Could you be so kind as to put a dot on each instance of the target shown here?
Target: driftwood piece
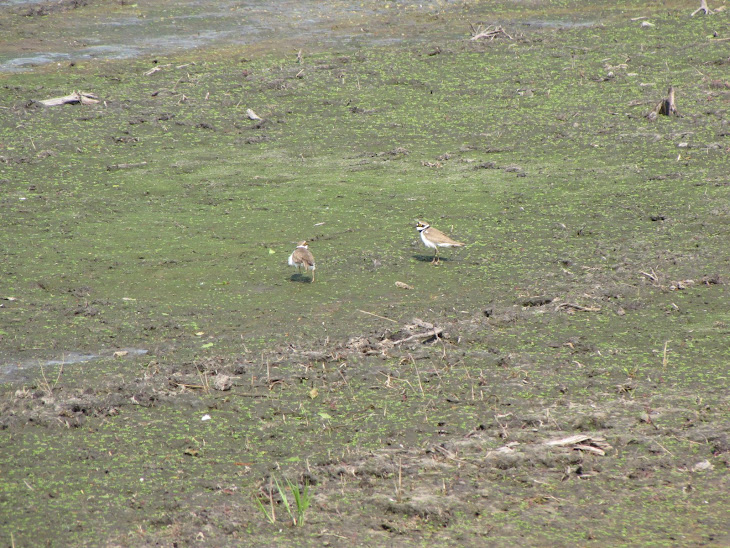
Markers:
(703, 9)
(73, 99)
(582, 442)
(666, 107)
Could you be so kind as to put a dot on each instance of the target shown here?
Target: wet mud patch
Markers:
(41, 9)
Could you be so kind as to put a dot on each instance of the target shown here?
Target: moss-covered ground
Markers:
(591, 298)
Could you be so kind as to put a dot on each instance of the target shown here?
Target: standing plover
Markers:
(435, 238)
(302, 258)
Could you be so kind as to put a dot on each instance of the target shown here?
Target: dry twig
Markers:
(490, 32)
(574, 306)
(371, 314)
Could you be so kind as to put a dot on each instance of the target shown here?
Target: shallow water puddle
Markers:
(159, 28)
(18, 371)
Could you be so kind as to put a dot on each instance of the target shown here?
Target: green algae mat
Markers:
(167, 379)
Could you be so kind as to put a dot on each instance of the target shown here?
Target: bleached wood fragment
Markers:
(72, 99)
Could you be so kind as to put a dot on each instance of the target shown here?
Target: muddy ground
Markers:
(560, 381)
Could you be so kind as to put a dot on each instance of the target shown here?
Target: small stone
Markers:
(223, 382)
(702, 466)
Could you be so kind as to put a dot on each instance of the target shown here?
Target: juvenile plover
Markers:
(302, 258)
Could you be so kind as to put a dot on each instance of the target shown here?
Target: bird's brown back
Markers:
(303, 256)
(438, 237)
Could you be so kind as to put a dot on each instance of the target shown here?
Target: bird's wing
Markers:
(439, 238)
(303, 256)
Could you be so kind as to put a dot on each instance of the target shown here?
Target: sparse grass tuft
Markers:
(302, 502)
(45, 385)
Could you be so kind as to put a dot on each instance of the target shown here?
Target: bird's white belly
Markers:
(426, 242)
(291, 261)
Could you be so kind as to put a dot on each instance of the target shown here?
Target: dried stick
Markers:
(371, 314)
(480, 32)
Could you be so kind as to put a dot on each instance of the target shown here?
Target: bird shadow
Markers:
(300, 278)
(429, 258)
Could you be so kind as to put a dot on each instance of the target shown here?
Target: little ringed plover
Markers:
(435, 239)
